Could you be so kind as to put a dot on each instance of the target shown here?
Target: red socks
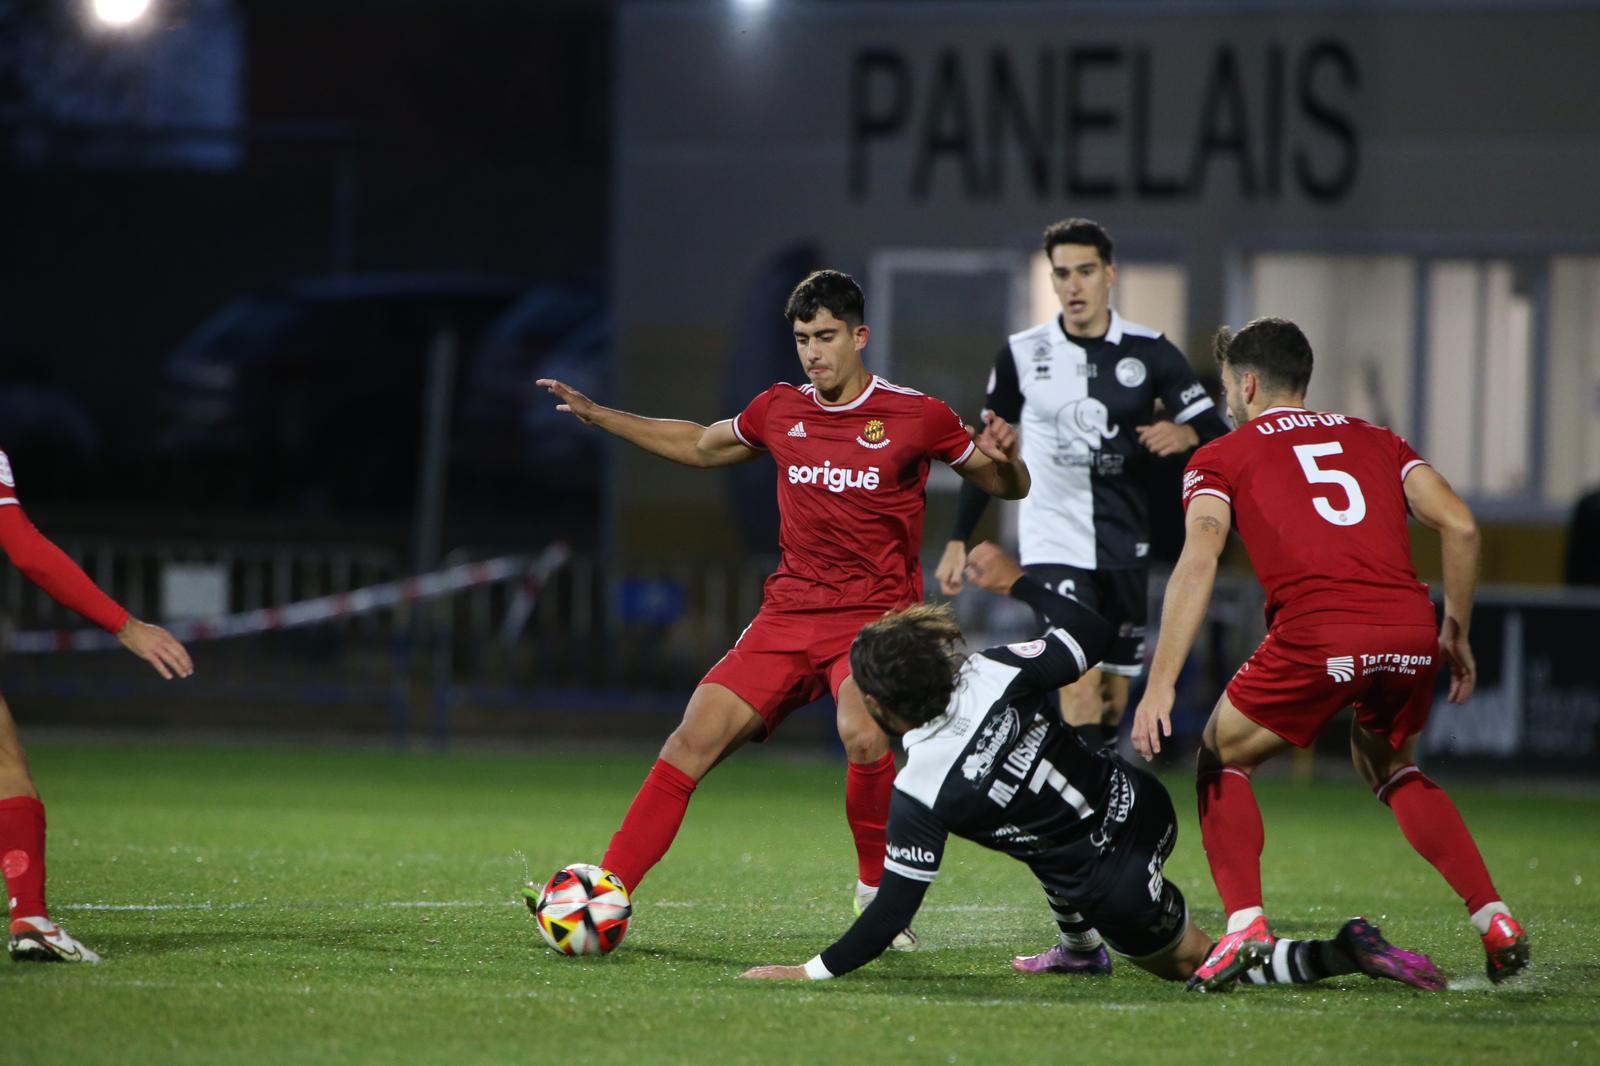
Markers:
(22, 854)
(868, 788)
(1434, 827)
(651, 824)
(1230, 829)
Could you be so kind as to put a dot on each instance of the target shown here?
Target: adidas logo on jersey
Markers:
(797, 430)
(1342, 668)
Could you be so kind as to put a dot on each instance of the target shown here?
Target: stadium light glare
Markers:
(751, 5)
(119, 14)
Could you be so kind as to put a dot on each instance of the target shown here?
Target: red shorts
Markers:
(785, 659)
(1302, 675)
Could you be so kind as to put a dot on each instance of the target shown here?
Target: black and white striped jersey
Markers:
(1077, 403)
(998, 768)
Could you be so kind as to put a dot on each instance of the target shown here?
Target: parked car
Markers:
(311, 399)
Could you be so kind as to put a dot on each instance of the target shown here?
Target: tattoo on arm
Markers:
(1209, 524)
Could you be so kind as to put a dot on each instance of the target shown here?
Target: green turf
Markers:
(362, 907)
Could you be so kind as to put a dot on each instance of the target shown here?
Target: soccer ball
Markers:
(584, 910)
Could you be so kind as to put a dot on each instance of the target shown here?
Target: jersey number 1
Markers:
(1308, 454)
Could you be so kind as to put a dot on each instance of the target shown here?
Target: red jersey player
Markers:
(1320, 500)
(853, 453)
(34, 937)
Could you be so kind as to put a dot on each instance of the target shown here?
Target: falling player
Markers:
(853, 452)
(34, 937)
(989, 759)
(1320, 500)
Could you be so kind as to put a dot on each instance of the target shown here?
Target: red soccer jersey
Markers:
(1318, 499)
(850, 490)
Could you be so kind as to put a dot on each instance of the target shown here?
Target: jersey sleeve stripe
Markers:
(1073, 646)
(964, 455)
(8, 499)
(1218, 493)
(1202, 404)
(925, 876)
(1412, 465)
(737, 432)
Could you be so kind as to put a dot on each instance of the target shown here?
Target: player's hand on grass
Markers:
(999, 441)
(777, 973)
(157, 647)
(990, 568)
(951, 563)
(572, 401)
(1458, 654)
(1167, 438)
(1152, 721)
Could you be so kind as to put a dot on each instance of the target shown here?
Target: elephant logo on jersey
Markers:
(1082, 428)
(872, 436)
(997, 733)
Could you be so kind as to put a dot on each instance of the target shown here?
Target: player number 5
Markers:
(1308, 455)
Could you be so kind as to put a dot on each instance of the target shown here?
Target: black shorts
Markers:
(1121, 597)
(1115, 878)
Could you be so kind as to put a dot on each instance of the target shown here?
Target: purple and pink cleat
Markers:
(1361, 940)
(1062, 959)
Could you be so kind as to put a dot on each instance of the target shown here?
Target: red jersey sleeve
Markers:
(750, 425)
(1408, 457)
(944, 435)
(47, 565)
(1207, 475)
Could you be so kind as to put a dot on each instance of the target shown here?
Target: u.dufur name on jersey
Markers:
(1300, 420)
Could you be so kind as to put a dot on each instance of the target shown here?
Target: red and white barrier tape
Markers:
(310, 612)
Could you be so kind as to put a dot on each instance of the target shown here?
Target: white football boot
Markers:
(905, 939)
(41, 940)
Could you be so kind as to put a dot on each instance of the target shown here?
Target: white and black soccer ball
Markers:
(582, 910)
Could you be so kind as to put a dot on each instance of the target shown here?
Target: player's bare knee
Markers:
(864, 745)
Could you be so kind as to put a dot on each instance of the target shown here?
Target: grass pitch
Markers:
(315, 906)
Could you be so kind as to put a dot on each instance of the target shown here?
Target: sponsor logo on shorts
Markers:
(1393, 663)
(1342, 668)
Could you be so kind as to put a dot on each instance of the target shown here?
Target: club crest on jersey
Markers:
(873, 435)
(1130, 372)
(1041, 352)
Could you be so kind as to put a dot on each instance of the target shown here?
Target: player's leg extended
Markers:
(34, 937)
(715, 724)
(869, 780)
(1079, 950)
(21, 825)
(1232, 746)
(1434, 827)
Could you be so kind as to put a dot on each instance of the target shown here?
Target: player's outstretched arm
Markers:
(65, 582)
(683, 442)
(157, 647)
(1436, 506)
(1077, 639)
(1183, 609)
(896, 905)
(996, 465)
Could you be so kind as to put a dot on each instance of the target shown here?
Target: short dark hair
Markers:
(1078, 231)
(908, 661)
(830, 289)
(1275, 349)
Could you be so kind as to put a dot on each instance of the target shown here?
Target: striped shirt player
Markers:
(988, 759)
(34, 937)
(1000, 768)
(1085, 526)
